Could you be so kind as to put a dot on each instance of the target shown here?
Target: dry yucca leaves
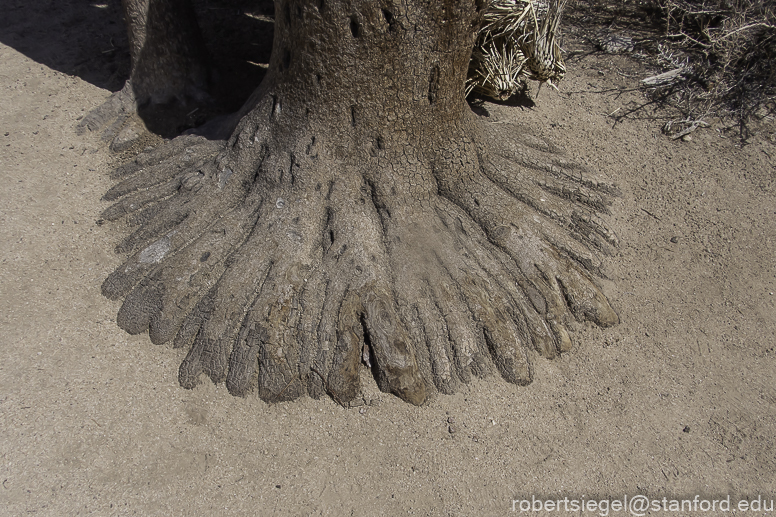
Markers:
(517, 42)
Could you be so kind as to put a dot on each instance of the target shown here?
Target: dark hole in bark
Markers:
(476, 202)
(292, 176)
(275, 107)
(355, 27)
(380, 143)
(353, 115)
(388, 15)
(204, 256)
(287, 13)
(433, 84)
(321, 5)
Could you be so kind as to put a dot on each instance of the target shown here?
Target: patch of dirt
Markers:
(678, 399)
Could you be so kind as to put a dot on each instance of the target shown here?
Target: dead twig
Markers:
(689, 126)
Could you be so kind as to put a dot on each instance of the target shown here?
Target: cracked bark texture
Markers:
(361, 214)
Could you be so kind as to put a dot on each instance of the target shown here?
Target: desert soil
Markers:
(678, 399)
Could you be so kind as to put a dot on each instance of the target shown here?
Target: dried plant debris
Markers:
(719, 58)
(518, 41)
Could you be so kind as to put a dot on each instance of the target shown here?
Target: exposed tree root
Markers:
(285, 267)
(111, 120)
(127, 124)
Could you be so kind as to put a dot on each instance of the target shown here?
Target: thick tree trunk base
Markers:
(285, 262)
(360, 215)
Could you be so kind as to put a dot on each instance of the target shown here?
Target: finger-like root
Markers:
(286, 271)
(118, 122)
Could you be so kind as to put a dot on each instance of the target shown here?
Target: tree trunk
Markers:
(169, 75)
(168, 55)
(360, 213)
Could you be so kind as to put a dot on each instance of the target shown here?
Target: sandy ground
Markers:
(678, 400)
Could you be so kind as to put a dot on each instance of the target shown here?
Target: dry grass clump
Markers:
(723, 53)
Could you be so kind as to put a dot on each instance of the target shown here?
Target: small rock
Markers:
(686, 138)
(450, 420)
(451, 430)
(686, 429)
(674, 239)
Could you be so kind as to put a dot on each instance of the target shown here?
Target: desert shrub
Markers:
(726, 51)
